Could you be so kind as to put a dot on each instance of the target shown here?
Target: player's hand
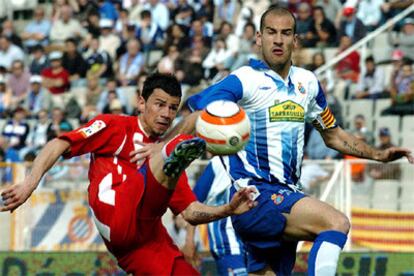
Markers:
(395, 153)
(144, 151)
(14, 196)
(242, 201)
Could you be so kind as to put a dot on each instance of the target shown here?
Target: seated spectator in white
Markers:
(19, 82)
(318, 59)
(369, 12)
(39, 61)
(38, 135)
(130, 64)
(92, 95)
(9, 31)
(160, 13)
(149, 33)
(56, 79)
(385, 171)
(107, 10)
(9, 52)
(37, 31)
(245, 16)
(371, 84)
(215, 60)
(245, 47)
(111, 92)
(402, 92)
(16, 129)
(108, 41)
(316, 148)
(38, 98)
(360, 128)
(73, 61)
(405, 38)
(5, 97)
(66, 27)
(58, 124)
(351, 25)
(322, 32)
(167, 63)
(99, 63)
(232, 41)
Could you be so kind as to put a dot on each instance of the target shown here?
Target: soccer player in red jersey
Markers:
(128, 199)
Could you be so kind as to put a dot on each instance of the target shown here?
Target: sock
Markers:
(324, 255)
(170, 145)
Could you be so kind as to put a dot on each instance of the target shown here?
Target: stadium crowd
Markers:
(74, 59)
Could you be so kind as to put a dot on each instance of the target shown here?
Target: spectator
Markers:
(385, 171)
(404, 39)
(39, 60)
(73, 61)
(245, 16)
(369, 12)
(56, 79)
(123, 21)
(183, 13)
(16, 130)
(332, 9)
(58, 125)
(66, 27)
(393, 7)
(351, 26)
(159, 12)
(167, 63)
(19, 82)
(116, 107)
(348, 68)
(371, 84)
(397, 62)
(99, 62)
(402, 93)
(316, 149)
(149, 33)
(358, 168)
(111, 92)
(312, 177)
(107, 10)
(322, 32)
(177, 35)
(92, 24)
(108, 41)
(206, 10)
(10, 32)
(37, 31)
(245, 46)
(215, 61)
(303, 23)
(318, 59)
(199, 29)
(188, 67)
(226, 10)
(5, 97)
(38, 98)
(6, 11)
(38, 136)
(232, 41)
(130, 64)
(92, 96)
(85, 8)
(9, 52)
(112, 102)
(360, 128)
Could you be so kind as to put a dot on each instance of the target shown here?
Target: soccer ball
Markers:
(224, 126)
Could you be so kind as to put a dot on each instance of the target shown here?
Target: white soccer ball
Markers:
(224, 126)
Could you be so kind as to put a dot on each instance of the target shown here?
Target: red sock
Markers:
(170, 145)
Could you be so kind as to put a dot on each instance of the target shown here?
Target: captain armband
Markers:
(325, 120)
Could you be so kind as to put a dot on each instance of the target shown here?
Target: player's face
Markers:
(277, 40)
(158, 112)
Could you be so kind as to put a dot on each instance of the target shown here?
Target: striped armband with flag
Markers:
(325, 120)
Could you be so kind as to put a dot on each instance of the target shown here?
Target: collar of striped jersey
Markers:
(258, 64)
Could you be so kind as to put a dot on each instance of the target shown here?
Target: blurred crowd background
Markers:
(62, 62)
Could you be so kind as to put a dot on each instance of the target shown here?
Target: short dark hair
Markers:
(166, 82)
(370, 59)
(276, 9)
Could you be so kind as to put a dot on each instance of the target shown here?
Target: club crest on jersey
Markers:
(301, 88)
(277, 198)
(95, 127)
(287, 111)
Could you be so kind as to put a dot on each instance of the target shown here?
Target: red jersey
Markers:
(129, 222)
(63, 74)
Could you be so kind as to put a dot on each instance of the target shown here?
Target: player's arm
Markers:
(198, 213)
(16, 195)
(346, 143)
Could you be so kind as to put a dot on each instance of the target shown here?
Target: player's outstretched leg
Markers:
(183, 154)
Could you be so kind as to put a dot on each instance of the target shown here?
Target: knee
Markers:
(340, 223)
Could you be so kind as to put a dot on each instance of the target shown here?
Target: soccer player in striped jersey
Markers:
(213, 188)
(279, 98)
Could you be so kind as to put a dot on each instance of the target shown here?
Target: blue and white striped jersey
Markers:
(213, 188)
(278, 110)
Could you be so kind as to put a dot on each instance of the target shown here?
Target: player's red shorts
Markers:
(136, 236)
